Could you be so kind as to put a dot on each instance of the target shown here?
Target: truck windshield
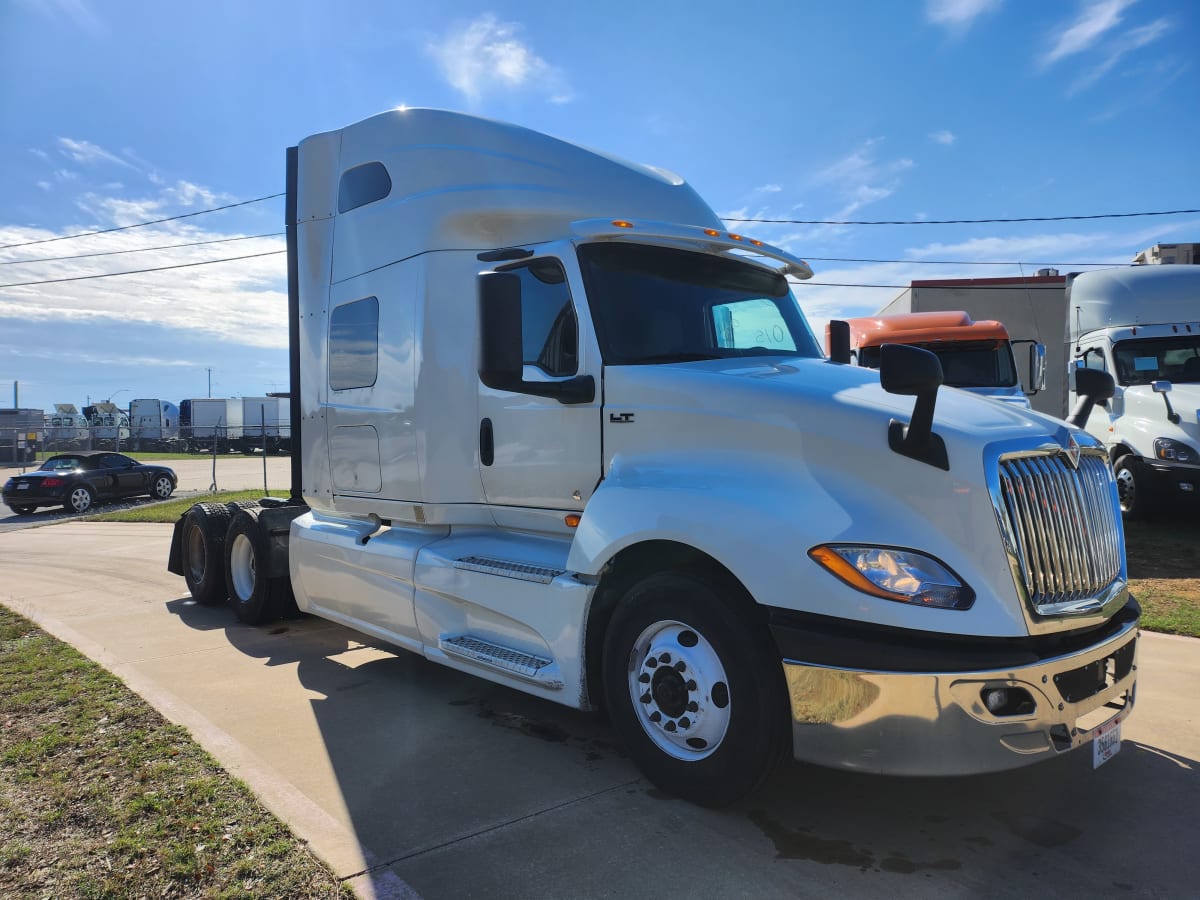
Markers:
(1174, 359)
(659, 304)
(975, 364)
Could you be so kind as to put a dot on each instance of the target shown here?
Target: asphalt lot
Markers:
(414, 780)
(232, 473)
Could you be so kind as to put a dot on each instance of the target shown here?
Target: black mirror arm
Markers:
(1172, 416)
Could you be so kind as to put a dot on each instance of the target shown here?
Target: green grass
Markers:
(171, 510)
(101, 797)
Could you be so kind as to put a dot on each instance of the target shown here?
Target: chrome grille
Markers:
(1064, 524)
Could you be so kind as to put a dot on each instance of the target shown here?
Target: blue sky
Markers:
(118, 112)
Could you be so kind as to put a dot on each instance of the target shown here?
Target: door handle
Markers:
(487, 443)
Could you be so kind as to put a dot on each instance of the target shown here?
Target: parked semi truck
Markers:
(559, 428)
(1141, 324)
(109, 424)
(212, 421)
(975, 356)
(1032, 310)
(153, 424)
(67, 428)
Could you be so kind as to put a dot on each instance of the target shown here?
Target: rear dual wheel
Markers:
(695, 689)
(256, 597)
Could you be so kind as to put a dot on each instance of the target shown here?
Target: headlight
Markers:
(1176, 451)
(894, 574)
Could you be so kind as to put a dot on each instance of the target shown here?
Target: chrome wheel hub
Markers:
(679, 690)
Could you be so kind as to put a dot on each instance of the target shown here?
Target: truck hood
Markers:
(803, 443)
(1144, 416)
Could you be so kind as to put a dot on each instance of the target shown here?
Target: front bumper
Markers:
(1174, 480)
(936, 723)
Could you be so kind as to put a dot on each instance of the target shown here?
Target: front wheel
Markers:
(695, 689)
(1133, 487)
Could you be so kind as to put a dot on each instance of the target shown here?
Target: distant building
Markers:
(1163, 254)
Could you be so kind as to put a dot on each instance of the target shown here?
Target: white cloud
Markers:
(768, 189)
(487, 56)
(242, 302)
(1127, 43)
(942, 137)
(1096, 18)
(958, 15)
(44, 185)
(40, 154)
(86, 152)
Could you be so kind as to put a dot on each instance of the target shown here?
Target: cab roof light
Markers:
(621, 223)
(712, 232)
(735, 237)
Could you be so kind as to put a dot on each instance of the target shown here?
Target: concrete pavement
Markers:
(411, 779)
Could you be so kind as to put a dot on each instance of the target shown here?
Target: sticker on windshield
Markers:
(1145, 363)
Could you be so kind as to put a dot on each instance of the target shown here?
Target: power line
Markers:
(206, 262)
(1169, 212)
(249, 237)
(199, 212)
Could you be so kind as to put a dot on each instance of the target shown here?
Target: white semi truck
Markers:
(67, 428)
(559, 428)
(153, 424)
(1141, 324)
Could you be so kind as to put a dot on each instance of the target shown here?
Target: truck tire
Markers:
(203, 552)
(1133, 487)
(695, 689)
(256, 598)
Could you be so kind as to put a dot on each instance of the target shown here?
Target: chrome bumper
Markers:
(904, 723)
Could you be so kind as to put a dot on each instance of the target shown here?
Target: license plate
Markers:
(1106, 743)
(23, 487)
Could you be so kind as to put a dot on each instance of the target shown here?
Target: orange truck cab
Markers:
(975, 356)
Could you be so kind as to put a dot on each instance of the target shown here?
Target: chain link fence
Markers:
(20, 444)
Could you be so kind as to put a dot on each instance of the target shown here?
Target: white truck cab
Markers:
(561, 429)
(1141, 324)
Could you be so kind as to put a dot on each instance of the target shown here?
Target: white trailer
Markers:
(212, 421)
(266, 424)
(561, 429)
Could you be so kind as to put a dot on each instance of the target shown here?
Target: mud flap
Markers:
(175, 557)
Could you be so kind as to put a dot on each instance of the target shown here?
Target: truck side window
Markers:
(354, 344)
(1093, 358)
(549, 333)
(362, 185)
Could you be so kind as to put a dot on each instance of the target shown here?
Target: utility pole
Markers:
(210, 382)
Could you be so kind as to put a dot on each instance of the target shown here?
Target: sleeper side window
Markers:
(354, 344)
(362, 185)
(549, 331)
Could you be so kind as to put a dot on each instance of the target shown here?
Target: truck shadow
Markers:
(430, 761)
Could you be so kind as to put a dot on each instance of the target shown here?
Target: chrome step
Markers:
(479, 650)
(508, 569)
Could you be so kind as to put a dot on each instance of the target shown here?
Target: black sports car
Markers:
(76, 481)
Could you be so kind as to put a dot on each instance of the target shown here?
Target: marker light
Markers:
(621, 223)
(755, 242)
(735, 237)
(905, 576)
(712, 232)
(572, 520)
